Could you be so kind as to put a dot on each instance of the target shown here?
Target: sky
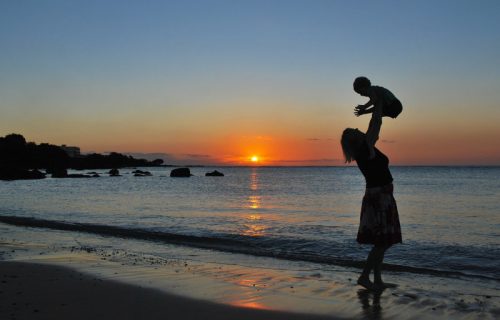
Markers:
(219, 82)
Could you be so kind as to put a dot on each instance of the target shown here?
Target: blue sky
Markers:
(105, 64)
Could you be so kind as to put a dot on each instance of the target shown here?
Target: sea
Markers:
(450, 216)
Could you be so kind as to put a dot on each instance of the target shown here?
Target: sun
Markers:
(254, 159)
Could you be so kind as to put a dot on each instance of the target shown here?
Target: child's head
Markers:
(361, 84)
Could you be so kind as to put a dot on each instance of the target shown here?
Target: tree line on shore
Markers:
(18, 155)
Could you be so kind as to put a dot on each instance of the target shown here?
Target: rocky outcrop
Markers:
(35, 174)
(63, 173)
(58, 172)
(214, 173)
(114, 173)
(140, 173)
(181, 173)
(20, 174)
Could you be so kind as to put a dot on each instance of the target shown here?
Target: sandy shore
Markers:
(67, 275)
(38, 291)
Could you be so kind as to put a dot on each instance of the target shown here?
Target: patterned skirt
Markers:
(379, 221)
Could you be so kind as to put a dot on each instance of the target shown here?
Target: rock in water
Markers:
(180, 172)
(59, 173)
(114, 172)
(214, 173)
(35, 174)
(140, 173)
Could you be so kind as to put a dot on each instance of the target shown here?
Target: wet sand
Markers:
(38, 291)
(65, 275)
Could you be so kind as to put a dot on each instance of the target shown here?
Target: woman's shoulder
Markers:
(381, 156)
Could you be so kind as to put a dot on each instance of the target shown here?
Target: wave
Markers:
(239, 244)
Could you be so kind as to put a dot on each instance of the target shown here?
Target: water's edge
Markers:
(220, 244)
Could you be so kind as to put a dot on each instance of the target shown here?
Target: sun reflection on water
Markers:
(254, 202)
(254, 180)
(254, 230)
(253, 224)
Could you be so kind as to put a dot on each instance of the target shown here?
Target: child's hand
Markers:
(359, 110)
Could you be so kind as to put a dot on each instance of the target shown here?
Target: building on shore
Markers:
(73, 152)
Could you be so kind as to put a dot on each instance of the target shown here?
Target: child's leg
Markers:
(393, 109)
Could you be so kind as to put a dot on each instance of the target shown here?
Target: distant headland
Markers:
(19, 158)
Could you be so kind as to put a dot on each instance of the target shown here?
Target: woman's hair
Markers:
(361, 82)
(350, 142)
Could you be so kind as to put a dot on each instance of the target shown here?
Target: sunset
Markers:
(249, 159)
(204, 82)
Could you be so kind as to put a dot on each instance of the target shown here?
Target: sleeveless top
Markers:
(376, 170)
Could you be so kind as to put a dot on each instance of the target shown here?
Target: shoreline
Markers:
(218, 244)
(251, 287)
(41, 291)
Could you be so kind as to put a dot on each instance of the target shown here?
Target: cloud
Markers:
(264, 138)
(166, 157)
(319, 139)
(197, 156)
(312, 162)
(207, 160)
(176, 159)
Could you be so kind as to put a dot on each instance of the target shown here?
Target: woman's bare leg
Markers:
(375, 257)
(377, 268)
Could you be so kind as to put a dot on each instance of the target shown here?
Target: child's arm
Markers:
(374, 129)
(363, 108)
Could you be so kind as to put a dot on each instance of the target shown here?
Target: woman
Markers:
(379, 221)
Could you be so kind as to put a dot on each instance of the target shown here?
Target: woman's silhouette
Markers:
(379, 221)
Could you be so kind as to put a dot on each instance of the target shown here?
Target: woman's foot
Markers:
(365, 282)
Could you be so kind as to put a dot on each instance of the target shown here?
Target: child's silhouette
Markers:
(383, 103)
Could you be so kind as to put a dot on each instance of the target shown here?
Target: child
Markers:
(384, 103)
(379, 97)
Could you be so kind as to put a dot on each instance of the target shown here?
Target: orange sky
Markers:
(218, 83)
(282, 136)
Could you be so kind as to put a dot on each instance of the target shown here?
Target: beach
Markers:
(258, 242)
(39, 291)
(42, 282)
